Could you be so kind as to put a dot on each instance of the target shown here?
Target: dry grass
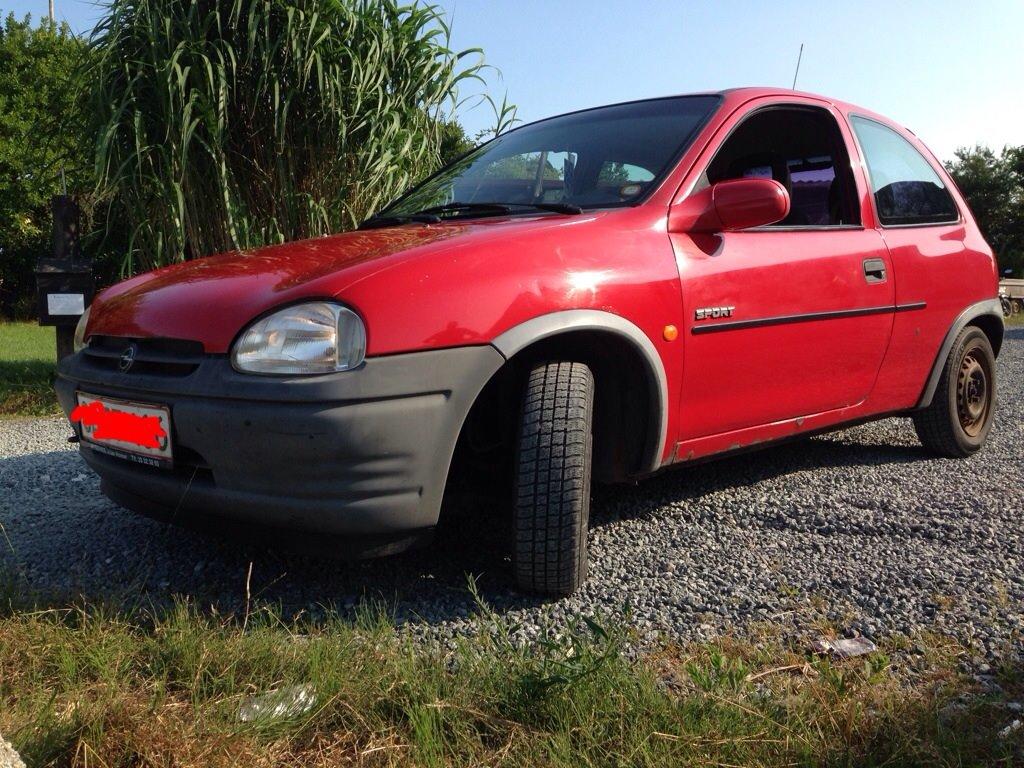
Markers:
(87, 686)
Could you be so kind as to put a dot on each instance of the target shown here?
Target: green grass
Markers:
(28, 357)
(90, 686)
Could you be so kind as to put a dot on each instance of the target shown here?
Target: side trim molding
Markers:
(521, 336)
(973, 312)
(736, 325)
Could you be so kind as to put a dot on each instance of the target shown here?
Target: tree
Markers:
(454, 142)
(993, 186)
(42, 148)
(233, 124)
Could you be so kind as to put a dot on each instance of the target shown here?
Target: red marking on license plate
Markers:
(110, 424)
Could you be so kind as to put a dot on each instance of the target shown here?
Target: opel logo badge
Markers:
(127, 358)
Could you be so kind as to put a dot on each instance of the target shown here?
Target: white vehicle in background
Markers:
(1011, 296)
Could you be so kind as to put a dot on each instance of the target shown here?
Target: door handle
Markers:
(874, 270)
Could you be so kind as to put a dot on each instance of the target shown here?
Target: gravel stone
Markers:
(861, 529)
(8, 757)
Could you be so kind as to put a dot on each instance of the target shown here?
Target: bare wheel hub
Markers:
(972, 394)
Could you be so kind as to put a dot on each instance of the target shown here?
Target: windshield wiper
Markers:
(499, 208)
(467, 207)
(567, 208)
(433, 214)
(376, 222)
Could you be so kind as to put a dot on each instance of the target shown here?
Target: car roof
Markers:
(734, 97)
(740, 95)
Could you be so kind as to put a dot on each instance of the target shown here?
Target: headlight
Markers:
(318, 337)
(80, 330)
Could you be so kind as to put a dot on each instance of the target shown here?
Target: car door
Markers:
(792, 319)
(943, 264)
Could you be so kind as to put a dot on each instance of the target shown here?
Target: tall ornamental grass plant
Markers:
(239, 123)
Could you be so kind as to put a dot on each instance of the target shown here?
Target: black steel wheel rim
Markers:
(973, 393)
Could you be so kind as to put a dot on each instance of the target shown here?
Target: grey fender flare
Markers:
(521, 336)
(973, 312)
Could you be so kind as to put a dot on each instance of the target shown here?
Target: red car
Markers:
(599, 295)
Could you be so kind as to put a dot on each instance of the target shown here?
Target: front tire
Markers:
(959, 418)
(552, 491)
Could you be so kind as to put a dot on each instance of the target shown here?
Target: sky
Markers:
(951, 71)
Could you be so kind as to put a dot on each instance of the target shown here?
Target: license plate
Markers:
(139, 432)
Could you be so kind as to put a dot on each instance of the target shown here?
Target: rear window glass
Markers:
(907, 189)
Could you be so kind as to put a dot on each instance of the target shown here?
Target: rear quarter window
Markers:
(907, 189)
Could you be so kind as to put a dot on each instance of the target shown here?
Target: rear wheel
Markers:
(552, 490)
(960, 415)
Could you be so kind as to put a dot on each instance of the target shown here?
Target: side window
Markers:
(802, 149)
(907, 189)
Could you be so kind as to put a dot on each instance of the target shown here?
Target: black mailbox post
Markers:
(64, 280)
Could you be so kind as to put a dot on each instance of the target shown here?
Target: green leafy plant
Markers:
(42, 149)
(226, 125)
(719, 673)
(993, 185)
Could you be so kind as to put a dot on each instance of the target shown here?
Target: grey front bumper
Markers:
(358, 453)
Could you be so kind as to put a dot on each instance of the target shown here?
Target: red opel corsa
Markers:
(597, 296)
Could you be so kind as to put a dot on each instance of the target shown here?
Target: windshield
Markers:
(602, 157)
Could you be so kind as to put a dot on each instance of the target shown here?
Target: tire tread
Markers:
(553, 478)
(937, 426)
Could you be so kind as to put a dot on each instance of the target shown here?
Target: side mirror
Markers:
(731, 205)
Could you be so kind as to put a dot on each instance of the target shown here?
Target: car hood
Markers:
(211, 299)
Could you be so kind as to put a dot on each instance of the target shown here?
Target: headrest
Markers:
(761, 165)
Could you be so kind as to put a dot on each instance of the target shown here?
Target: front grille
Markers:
(166, 357)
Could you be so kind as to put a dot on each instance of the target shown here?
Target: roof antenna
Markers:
(799, 56)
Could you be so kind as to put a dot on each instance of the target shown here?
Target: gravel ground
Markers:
(860, 528)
